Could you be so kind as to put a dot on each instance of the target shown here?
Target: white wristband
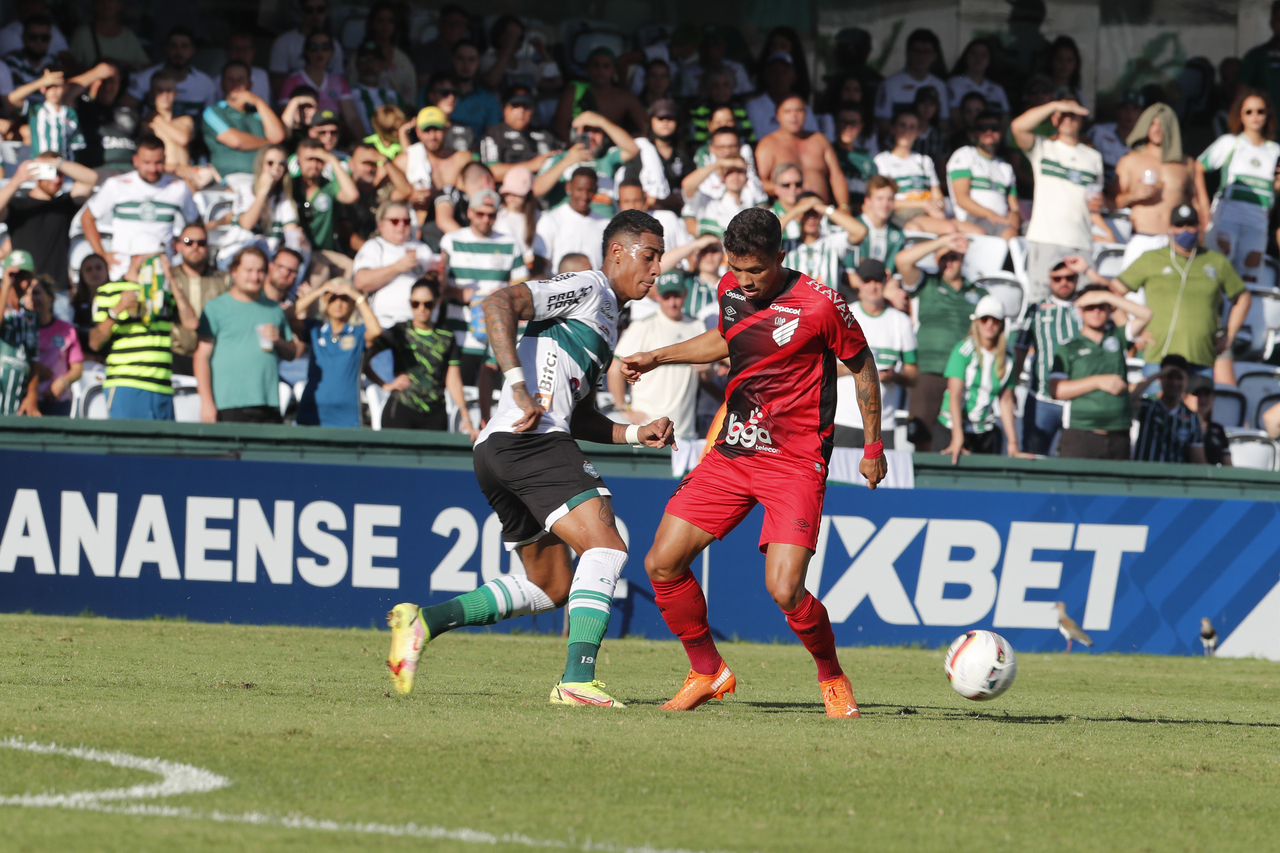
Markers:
(514, 375)
(633, 436)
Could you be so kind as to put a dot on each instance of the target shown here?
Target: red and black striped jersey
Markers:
(781, 396)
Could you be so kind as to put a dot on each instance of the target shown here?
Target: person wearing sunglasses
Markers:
(196, 90)
(387, 266)
(983, 186)
(287, 54)
(980, 382)
(24, 11)
(1245, 160)
(201, 282)
(1090, 371)
(1051, 323)
(27, 64)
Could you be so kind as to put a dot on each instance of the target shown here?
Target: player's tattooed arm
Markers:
(503, 311)
(866, 380)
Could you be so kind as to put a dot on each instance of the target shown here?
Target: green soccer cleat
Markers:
(408, 637)
(583, 693)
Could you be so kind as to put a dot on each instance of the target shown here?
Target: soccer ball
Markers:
(980, 665)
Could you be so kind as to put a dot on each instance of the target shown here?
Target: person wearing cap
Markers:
(1109, 137)
(980, 381)
(670, 391)
(1049, 324)
(511, 60)
(477, 107)
(476, 261)
(513, 142)
(368, 90)
(232, 132)
(944, 311)
(1154, 178)
(982, 185)
(1245, 160)
(429, 165)
(332, 90)
(1260, 68)
(1167, 430)
(893, 340)
(820, 256)
(898, 91)
(778, 79)
(19, 340)
(317, 198)
(599, 146)
(1199, 399)
(40, 221)
(808, 149)
(1185, 286)
(520, 212)
(324, 128)
(1068, 185)
(599, 93)
(1090, 373)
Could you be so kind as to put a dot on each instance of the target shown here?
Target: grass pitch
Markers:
(1084, 753)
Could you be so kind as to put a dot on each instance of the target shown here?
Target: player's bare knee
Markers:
(662, 567)
(786, 593)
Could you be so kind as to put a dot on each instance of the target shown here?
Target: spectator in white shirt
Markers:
(240, 46)
(778, 79)
(571, 227)
(196, 90)
(387, 266)
(898, 91)
(970, 75)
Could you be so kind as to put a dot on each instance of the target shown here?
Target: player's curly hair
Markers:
(754, 232)
(630, 224)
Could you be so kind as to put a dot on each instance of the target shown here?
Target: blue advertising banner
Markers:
(336, 545)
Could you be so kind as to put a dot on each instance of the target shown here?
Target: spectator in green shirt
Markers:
(1261, 66)
(1090, 371)
(945, 305)
(234, 129)
(242, 335)
(317, 198)
(980, 379)
(1185, 285)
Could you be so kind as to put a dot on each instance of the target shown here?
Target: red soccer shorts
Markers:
(720, 492)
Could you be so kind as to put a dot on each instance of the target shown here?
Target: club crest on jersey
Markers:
(783, 334)
(749, 434)
(590, 470)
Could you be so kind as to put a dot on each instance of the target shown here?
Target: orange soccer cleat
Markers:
(699, 689)
(837, 695)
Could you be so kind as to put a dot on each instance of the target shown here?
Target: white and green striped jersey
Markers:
(55, 128)
(1248, 170)
(565, 351)
(19, 347)
(914, 174)
(278, 212)
(893, 341)
(991, 180)
(143, 217)
(484, 264)
(982, 387)
(1053, 323)
(713, 215)
(369, 98)
(822, 260)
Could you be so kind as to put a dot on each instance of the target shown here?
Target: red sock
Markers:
(810, 622)
(684, 608)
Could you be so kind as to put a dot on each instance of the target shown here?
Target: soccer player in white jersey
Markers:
(146, 209)
(546, 493)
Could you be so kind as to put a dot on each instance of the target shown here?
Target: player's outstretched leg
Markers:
(591, 530)
(413, 627)
(785, 567)
(684, 608)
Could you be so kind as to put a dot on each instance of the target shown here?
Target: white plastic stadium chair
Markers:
(1005, 287)
(94, 373)
(1018, 253)
(985, 256)
(1134, 370)
(1230, 407)
(1253, 449)
(1257, 384)
(376, 399)
(1109, 262)
(286, 396)
(94, 403)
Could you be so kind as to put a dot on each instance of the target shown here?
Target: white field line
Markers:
(180, 779)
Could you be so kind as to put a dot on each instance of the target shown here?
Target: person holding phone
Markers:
(40, 221)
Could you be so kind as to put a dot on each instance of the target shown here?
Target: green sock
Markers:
(586, 631)
(478, 607)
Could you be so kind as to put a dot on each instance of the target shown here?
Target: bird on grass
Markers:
(1208, 636)
(1068, 628)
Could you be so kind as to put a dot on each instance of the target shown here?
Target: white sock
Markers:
(518, 596)
(595, 578)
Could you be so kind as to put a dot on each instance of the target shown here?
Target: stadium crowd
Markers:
(308, 231)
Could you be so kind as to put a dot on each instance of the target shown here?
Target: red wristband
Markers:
(873, 451)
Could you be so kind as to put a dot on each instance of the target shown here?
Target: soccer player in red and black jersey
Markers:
(782, 333)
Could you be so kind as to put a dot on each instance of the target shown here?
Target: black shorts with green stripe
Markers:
(532, 481)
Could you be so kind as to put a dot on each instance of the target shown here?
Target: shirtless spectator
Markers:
(427, 163)
(811, 151)
(1154, 178)
(601, 95)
